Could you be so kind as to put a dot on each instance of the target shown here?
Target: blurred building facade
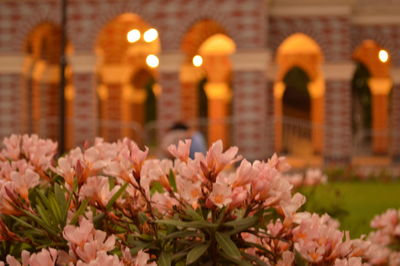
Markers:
(310, 79)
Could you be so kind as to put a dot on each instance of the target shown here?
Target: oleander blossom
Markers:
(109, 204)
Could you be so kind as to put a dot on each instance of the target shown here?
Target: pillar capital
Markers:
(11, 64)
(83, 63)
(218, 91)
(170, 61)
(380, 86)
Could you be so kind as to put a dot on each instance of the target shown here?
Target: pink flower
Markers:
(244, 174)
(274, 229)
(287, 259)
(12, 149)
(164, 203)
(40, 152)
(78, 236)
(221, 195)
(217, 160)
(315, 241)
(239, 196)
(23, 182)
(314, 177)
(353, 261)
(155, 170)
(142, 259)
(279, 163)
(182, 150)
(97, 189)
(7, 196)
(102, 258)
(189, 191)
(43, 258)
(98, 243)
(135, 156)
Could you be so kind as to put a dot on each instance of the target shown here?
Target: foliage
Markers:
(110, 205)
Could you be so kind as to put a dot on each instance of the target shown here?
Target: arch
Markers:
(277, 39)
(299, 50)
(296, 111)
(210, 81)
(122, 69)
(31, 24)
(41, 74)
(378, 84)
(367, 52)
(198, 34)
(300, 54)
(114, 11)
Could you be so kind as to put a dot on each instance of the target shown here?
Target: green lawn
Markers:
(354, 204)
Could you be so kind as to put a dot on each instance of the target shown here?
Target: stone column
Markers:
(338, 140)
(85, 98)
(253, 132)
(189, 78)
(395, 123)
(45, 100)
(316, 88)
(380, 88)
(218, 68)
(13, 111)
(169, 101)
(279, 89)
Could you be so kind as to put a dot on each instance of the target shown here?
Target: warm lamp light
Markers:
(197, 60)
(133, 36)
(152, 61)
(150, 35)
(383, 56)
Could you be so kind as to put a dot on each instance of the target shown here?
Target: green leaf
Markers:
(196, 253)
(194, 224)
(240, 225)
(165, 259)
(227, 245)
(255, 259)
(180, 234)
(60, 197)
(116, 196)
(248, 222)
(40, 222)
(193, 214)
(156, 187)
(79, 212)
(171, 180)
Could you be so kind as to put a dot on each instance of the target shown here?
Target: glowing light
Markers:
(150, 35)
(152, 61)
(133, 36)
(197, 60)
(383, 56)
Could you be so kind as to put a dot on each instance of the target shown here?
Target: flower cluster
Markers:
(109, 205)
(385, 239)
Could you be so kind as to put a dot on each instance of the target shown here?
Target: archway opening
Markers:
(127, 49)
(299, 97)
(41, 75)
(371, 86)
(296, 105)
(206, 77)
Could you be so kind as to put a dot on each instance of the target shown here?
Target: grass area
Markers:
(354, 204)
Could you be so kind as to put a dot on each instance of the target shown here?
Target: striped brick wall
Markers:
(337, 122)
(85, 108)
(386, 35)
(249, 110)
(395, 124)
(332, 33)
(9, 104)
(168, 105)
